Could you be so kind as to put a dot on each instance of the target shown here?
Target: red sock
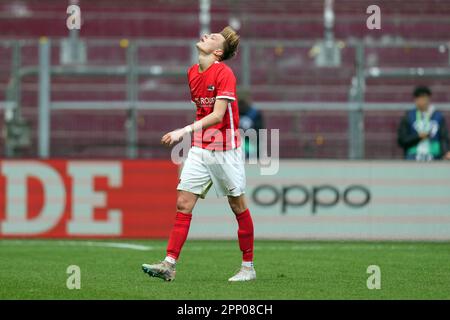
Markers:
(178, 234)
(245, 235)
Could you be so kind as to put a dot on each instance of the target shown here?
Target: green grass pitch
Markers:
(36, 269)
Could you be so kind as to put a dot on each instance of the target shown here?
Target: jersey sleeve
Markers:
(188, 74)
(226, 84)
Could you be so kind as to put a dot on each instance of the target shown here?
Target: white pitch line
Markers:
(119, 245)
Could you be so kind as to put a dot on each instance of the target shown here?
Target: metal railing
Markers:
(132, 68)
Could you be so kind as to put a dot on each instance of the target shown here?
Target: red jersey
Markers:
(216, 82)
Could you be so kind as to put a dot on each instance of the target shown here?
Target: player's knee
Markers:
(237, 206)
(184, 204)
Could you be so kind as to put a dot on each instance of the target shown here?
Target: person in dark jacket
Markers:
(422, 132)
(249, 118)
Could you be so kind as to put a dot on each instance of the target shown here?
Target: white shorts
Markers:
(222, 169)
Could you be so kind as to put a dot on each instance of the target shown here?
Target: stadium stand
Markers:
(277, 74)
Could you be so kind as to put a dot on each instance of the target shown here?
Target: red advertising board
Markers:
(87, 199)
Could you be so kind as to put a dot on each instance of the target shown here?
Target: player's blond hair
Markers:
(231, 43)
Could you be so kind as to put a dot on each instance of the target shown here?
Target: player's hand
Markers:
(423, 135)
(172, 137)
(447, 156)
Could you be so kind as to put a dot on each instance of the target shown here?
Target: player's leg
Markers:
(185, 203)
(228, 176)
(194, 182)
(246, 237)
(245, 227)
(180, 229)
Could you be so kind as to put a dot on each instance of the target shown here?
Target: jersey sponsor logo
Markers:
(205, 101)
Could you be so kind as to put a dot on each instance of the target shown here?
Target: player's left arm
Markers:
(215, 117)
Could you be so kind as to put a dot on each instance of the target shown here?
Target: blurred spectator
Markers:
(423, 133)
(249, 118)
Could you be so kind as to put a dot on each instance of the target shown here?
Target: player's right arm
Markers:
(215, 117)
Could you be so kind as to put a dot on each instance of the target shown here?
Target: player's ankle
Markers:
(171, 261)
(247, 264)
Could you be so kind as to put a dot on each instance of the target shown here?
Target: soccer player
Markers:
(215, 158)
